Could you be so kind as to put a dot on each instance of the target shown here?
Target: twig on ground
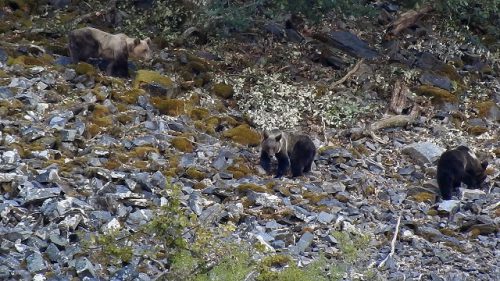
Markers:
(393, 244)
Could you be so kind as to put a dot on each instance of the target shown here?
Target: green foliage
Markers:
(344, 111)
(321, 269)
(163, 19)
(352, 246)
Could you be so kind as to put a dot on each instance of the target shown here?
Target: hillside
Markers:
(157, 177)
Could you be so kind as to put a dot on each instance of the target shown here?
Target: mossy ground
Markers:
(172, 107)
(244, 135)
(437, 94)
(182, 144)
(149, 76)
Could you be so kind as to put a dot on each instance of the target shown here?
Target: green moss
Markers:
(199, 113)
(438, 94)
(278, 260)
(124, 118)
(172, 107)
(182, 144)
(239, 169)
(424, 197)
(314, 197)
(244, 135)
(195, 174)
(223, 90)
(485, 107)
(142, 152)
(129, 97)
(148, 76)
(85, 68)
(450, 72)
(244, 187)
(102, 121)
(26, 60)
(477, 130)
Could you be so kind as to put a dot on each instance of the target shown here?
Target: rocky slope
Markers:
(82, 153)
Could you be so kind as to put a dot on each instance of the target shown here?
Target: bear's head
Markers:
(271, 142)
(139, 48)
(476, 175)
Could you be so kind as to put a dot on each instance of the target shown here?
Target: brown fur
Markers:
(88, 42)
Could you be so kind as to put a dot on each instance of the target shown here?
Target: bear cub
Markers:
(456, 166)
(295, 151)
(89, 42)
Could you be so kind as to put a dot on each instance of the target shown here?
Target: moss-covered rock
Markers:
(30, 61)
(244, 135)
(245, 187)
(198, 113)
(172, 107)
(182, 144)
(239, 169)
(424, 197)
(195, 174)
(223, 90)
(489, 110)
(142, 152)
(437, 94)
(149, 76)
(85, 68)
(129, 97)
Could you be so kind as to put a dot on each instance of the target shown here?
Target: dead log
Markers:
(110, 8)
(399, 98)
(406, 20)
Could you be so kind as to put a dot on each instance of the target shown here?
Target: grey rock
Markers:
(304, 243)
(35, 262)
(8, 177)
(195, 202)
(127, 273)
(6, 93)
(424, 152)
(53, 253)
(84, 267)
(33, 195)
(212, 214)
(68, 135)
(442, 82)
(145, 140)
(333, 187)
(325, 217)
(10, 157)
(48, 176)
(264, 199)
(449, 206)
(140, 216)
(351, 44)
(472, 194)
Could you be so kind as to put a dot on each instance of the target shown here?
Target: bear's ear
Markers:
(484, 165)
(278, 137)
(137, 41)
(265, 134)
(148, 41)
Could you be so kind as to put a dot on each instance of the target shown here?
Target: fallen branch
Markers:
(391, 122)
(111, 6)
(351, 72)
(406, 20)
(393, 244)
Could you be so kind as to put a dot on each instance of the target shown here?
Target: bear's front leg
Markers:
(265, 161)
(283, 165)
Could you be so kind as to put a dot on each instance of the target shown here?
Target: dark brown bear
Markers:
(88, 42)
(291, 150)
(456, 166)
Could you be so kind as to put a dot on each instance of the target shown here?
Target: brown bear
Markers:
(89, 42)
(292, 150)
(456, 166)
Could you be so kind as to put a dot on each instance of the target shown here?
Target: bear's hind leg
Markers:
(297, 168)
